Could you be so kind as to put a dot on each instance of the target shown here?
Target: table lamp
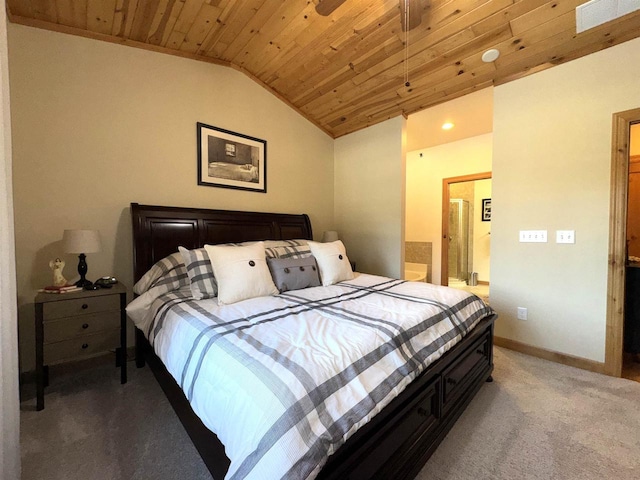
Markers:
(81, 242)
(329, 236)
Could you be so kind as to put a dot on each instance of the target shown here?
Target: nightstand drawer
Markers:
(81, 346)
(80, 306)
(68, 328)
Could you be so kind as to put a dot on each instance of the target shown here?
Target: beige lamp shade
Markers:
(81, 241)
(329, 236)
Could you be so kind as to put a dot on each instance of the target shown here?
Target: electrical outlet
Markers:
(533, 236)
(565, 236)
(522, 313)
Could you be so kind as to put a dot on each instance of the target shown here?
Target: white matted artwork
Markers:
(231, 160)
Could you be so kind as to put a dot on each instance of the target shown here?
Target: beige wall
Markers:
(97, 126)
(9, 406)
(551, 170)
(424, 187)
(369, 196)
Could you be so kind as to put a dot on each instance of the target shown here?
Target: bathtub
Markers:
(415, 272)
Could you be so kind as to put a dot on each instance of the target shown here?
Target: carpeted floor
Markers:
(537, 420)
(542, 420)
(94, 428)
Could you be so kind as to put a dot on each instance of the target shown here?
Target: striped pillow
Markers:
(168, 273)
(287, 248)
(202, 282)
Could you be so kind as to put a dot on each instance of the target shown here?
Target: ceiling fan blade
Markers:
(326, 7)
(415, 14)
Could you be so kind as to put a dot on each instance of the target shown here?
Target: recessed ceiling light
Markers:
(490, 55)
(447, 126)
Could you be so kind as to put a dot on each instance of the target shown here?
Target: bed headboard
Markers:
(158, 231)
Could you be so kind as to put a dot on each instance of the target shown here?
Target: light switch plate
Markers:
(565, 236)
(533, 236)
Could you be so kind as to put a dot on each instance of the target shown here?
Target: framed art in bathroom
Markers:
(231, 160)
(486, 209)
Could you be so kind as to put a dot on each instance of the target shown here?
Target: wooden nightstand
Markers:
(79, 325)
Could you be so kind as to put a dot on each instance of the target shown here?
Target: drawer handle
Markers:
(85, 306)
(423, 411)
(480, 351)
(451, 381)
(85, 346)
(85, 325)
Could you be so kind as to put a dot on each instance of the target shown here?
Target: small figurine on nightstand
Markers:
(58, 279)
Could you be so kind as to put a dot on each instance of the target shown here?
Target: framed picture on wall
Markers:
(486, 209)
(231, 160)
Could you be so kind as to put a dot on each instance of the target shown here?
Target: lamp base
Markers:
(82, 271)
(83, 282)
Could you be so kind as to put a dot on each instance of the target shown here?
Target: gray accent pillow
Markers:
(202, 282)
(294, 273)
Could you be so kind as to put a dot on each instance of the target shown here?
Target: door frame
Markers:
(618, 239)
(444, 253)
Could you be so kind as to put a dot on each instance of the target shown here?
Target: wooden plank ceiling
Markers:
(344, 71)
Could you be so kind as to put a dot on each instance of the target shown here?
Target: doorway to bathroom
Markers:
(620, 347)
(631, 336)
(466, 233)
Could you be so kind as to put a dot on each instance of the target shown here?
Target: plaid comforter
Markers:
(283, 381)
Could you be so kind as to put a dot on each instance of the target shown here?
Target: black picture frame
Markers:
(229, 159)
(486, 209)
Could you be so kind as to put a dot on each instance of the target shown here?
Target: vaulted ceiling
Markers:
(344, 71)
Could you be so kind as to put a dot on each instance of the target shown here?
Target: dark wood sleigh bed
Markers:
(401, 438)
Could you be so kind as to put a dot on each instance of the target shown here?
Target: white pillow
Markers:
(241, 272)
(332, 261)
